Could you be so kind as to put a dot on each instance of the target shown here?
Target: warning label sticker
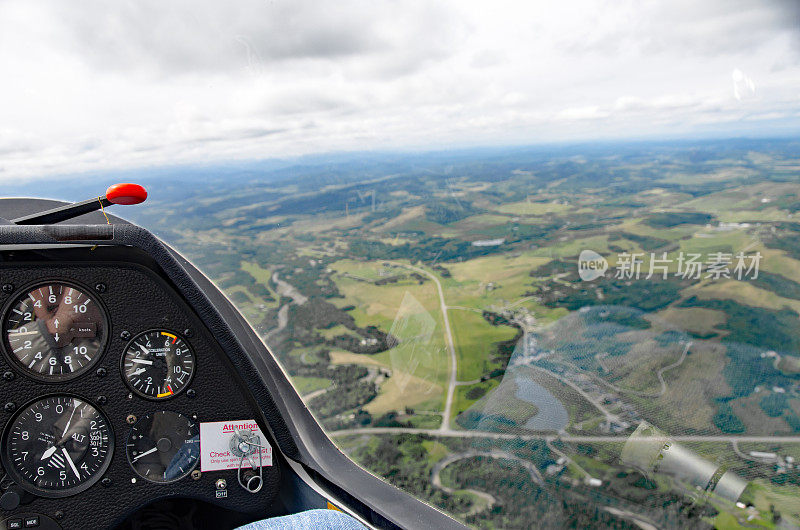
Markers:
(215, 445)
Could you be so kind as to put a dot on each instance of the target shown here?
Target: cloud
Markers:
(98, 85)
(215, 37)
(684, 27)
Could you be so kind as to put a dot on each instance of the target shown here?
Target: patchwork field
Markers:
(349, 284)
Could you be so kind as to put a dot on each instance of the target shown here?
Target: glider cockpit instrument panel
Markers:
(108, 380)
(134, 395)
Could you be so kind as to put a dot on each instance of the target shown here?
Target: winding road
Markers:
(659, 374)
(492, 453)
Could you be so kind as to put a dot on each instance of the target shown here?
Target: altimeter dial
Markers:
(57, 446)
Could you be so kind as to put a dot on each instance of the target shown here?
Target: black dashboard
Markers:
(109, 401)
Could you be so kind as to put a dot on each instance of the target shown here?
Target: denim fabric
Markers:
(310, 520)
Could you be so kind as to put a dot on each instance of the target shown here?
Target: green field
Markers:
(474, 340)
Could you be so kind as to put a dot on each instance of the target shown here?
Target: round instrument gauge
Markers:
(57, 446)
(55, 331)
(158, 364)
(163, 446)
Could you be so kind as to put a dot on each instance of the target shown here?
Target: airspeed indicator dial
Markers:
(158, 364)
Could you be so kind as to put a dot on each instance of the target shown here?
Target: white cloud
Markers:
(98, 85)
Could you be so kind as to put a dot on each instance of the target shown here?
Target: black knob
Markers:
(9, 500)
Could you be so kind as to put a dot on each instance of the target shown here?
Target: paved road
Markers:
(448, 335)
(550, 435)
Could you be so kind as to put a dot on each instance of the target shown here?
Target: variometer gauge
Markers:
(164, 446)
(55, 331)
(57, 446)
(158, 364)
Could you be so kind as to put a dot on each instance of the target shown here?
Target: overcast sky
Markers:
(101, 85)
